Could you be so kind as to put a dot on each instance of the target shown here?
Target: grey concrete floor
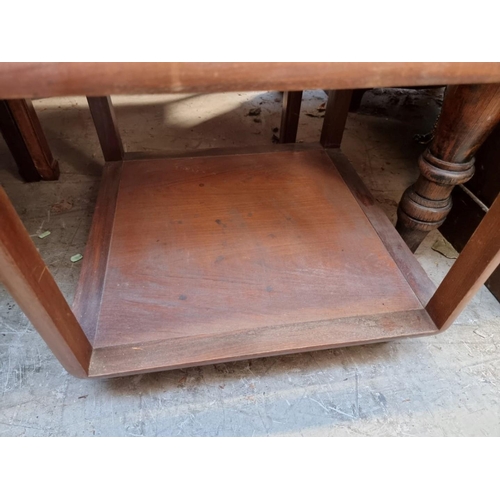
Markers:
(444, 385)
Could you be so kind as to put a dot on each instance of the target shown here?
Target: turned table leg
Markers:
(469, 114)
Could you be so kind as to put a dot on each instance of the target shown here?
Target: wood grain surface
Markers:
(468, 116)
(32, 286)
(290, 115)
(103, 114)
(235, 256)
(29, 80)
(17, 145)
(395, 245)
(335, 119)
(29, 125)
(87, 302)
(210, 245)
(144, 357)
(474, 265)
(26, 140)
(227, 151)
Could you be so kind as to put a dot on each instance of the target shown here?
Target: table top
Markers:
(32, 80)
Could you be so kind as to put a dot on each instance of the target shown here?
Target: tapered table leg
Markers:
(335, 119)
(29, 281)
(290, 116)
(469, 114)
(103, 114)
(27, 142)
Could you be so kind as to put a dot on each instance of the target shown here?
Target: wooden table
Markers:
(221, 255)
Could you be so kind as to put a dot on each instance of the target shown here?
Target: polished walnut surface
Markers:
(23, 80)
(178, 273)
(264, 252)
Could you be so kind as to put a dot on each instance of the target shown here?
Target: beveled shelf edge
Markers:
(87, 301)
(227, 151)
(154, 356)
(407, 263)
(210, 349)
(88, 296)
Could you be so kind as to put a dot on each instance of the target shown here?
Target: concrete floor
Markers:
(435, 386)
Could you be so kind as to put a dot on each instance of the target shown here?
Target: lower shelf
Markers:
(206, 259)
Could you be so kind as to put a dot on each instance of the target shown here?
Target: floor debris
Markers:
(44, 235)
(444, 248)
(254, 112)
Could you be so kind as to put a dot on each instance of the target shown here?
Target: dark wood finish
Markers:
(255, 255)
(103, 114)
(337, 109)
(27, 142)
(485, 184)
(463, 219)
(479, 258)
(469, 114)
(241, 245)
(459, 226)
(235, 256)
(412, 271)
(28, 80)
(471, 204)
(228, 151)
(25, 116)
(29, 281)
(290, 115)
(183, 352)
(16, 144)
(87, 301)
